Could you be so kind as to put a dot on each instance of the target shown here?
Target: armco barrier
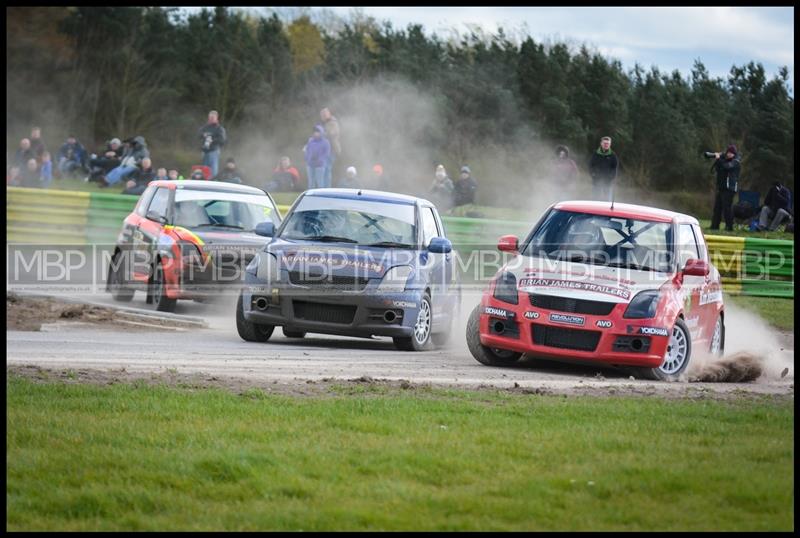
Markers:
(750, 266)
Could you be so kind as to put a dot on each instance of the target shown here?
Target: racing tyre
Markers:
(158, 292)
(486, 355)
(116, 281)
(676, 359)
(293, 334)
(717, 346)
(249, 331)
(421, 339)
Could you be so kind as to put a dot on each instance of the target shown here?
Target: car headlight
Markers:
(395, 279)
(643, 305)
(505, 288)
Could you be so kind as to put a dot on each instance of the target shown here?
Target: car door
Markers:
(710, 291)
(692, 285)
(435, 262)
(148, 232)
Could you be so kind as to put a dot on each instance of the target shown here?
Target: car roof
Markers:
(367, 194)
(631, 211)
(210, 185)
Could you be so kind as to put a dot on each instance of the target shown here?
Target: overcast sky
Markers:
(667, 37)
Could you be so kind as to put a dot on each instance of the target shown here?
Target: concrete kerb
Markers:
(137, 314)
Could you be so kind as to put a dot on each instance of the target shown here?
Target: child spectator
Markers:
(174, 175)
(350, 180)
(231, 173)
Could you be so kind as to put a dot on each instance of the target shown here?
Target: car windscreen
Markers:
(215, 209)
(363, 222)
(603, 240)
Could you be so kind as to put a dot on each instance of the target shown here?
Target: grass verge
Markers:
(82, 457)
(777, 311)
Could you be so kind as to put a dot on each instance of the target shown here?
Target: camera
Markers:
(709, 154)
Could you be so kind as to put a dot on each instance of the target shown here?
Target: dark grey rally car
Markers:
(354, 263)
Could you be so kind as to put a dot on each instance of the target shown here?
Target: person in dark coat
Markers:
(212, 138)
(603, 168)
(465, 187)
(140, 178)
(231, 173)
(728, 167)
(777, 206)
(71, 157)
(112, 157)
(24, 153)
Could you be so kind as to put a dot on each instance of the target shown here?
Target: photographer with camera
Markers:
(212, 138)
(727, 167)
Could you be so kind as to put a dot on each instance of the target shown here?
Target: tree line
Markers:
(118, 71)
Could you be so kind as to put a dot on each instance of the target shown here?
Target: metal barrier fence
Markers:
(750, 266)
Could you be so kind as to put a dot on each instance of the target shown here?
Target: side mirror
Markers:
(265, 229)
(508, 243)
(695, 267)
(440, 245)
(156, 217)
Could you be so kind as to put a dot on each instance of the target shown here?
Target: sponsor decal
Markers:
(604, 323)
(573, 285)
(404, 304)
(321, 260)
(649, 331)
(531, 315)
(499, 312)
(564, 318)
(714, 296)
(624, 282)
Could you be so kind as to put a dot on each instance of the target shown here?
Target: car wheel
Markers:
(116, 281)
(249, 331)
(293, 334)
(676, 359)
(486, 355)
(158, 292)
(717, 346)
(420, 340)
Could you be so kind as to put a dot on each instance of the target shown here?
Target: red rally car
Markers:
(188, 239)
(619, 284)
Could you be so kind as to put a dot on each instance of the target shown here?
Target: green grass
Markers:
(705, 224)
(82, 457)
(777, 311)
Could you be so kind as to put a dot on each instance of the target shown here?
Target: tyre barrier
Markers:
(750, 266)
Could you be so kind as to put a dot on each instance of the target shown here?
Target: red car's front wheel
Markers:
(486, 355)
(676, 359)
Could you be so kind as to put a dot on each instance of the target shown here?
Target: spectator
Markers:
(23, 154)
(131, 160)
(777, 206)
(317, 151)
(285, 177)
(465, 187)
(442, 189)
(231, 174)
(71, 157)
(112, 157)
(603, 168)
(379, 179)
(140, 178)
(727, 170)
(30, 175)
(14, 177)
(46, 169)
(37, 144)
(212, 137)
(565, 171)
(161, 175)
(350, 180)
(174, 175)
(331, 126)
(198, 175)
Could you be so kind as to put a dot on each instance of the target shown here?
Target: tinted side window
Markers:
(429, 229)
(159, 202)
(687, 245)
